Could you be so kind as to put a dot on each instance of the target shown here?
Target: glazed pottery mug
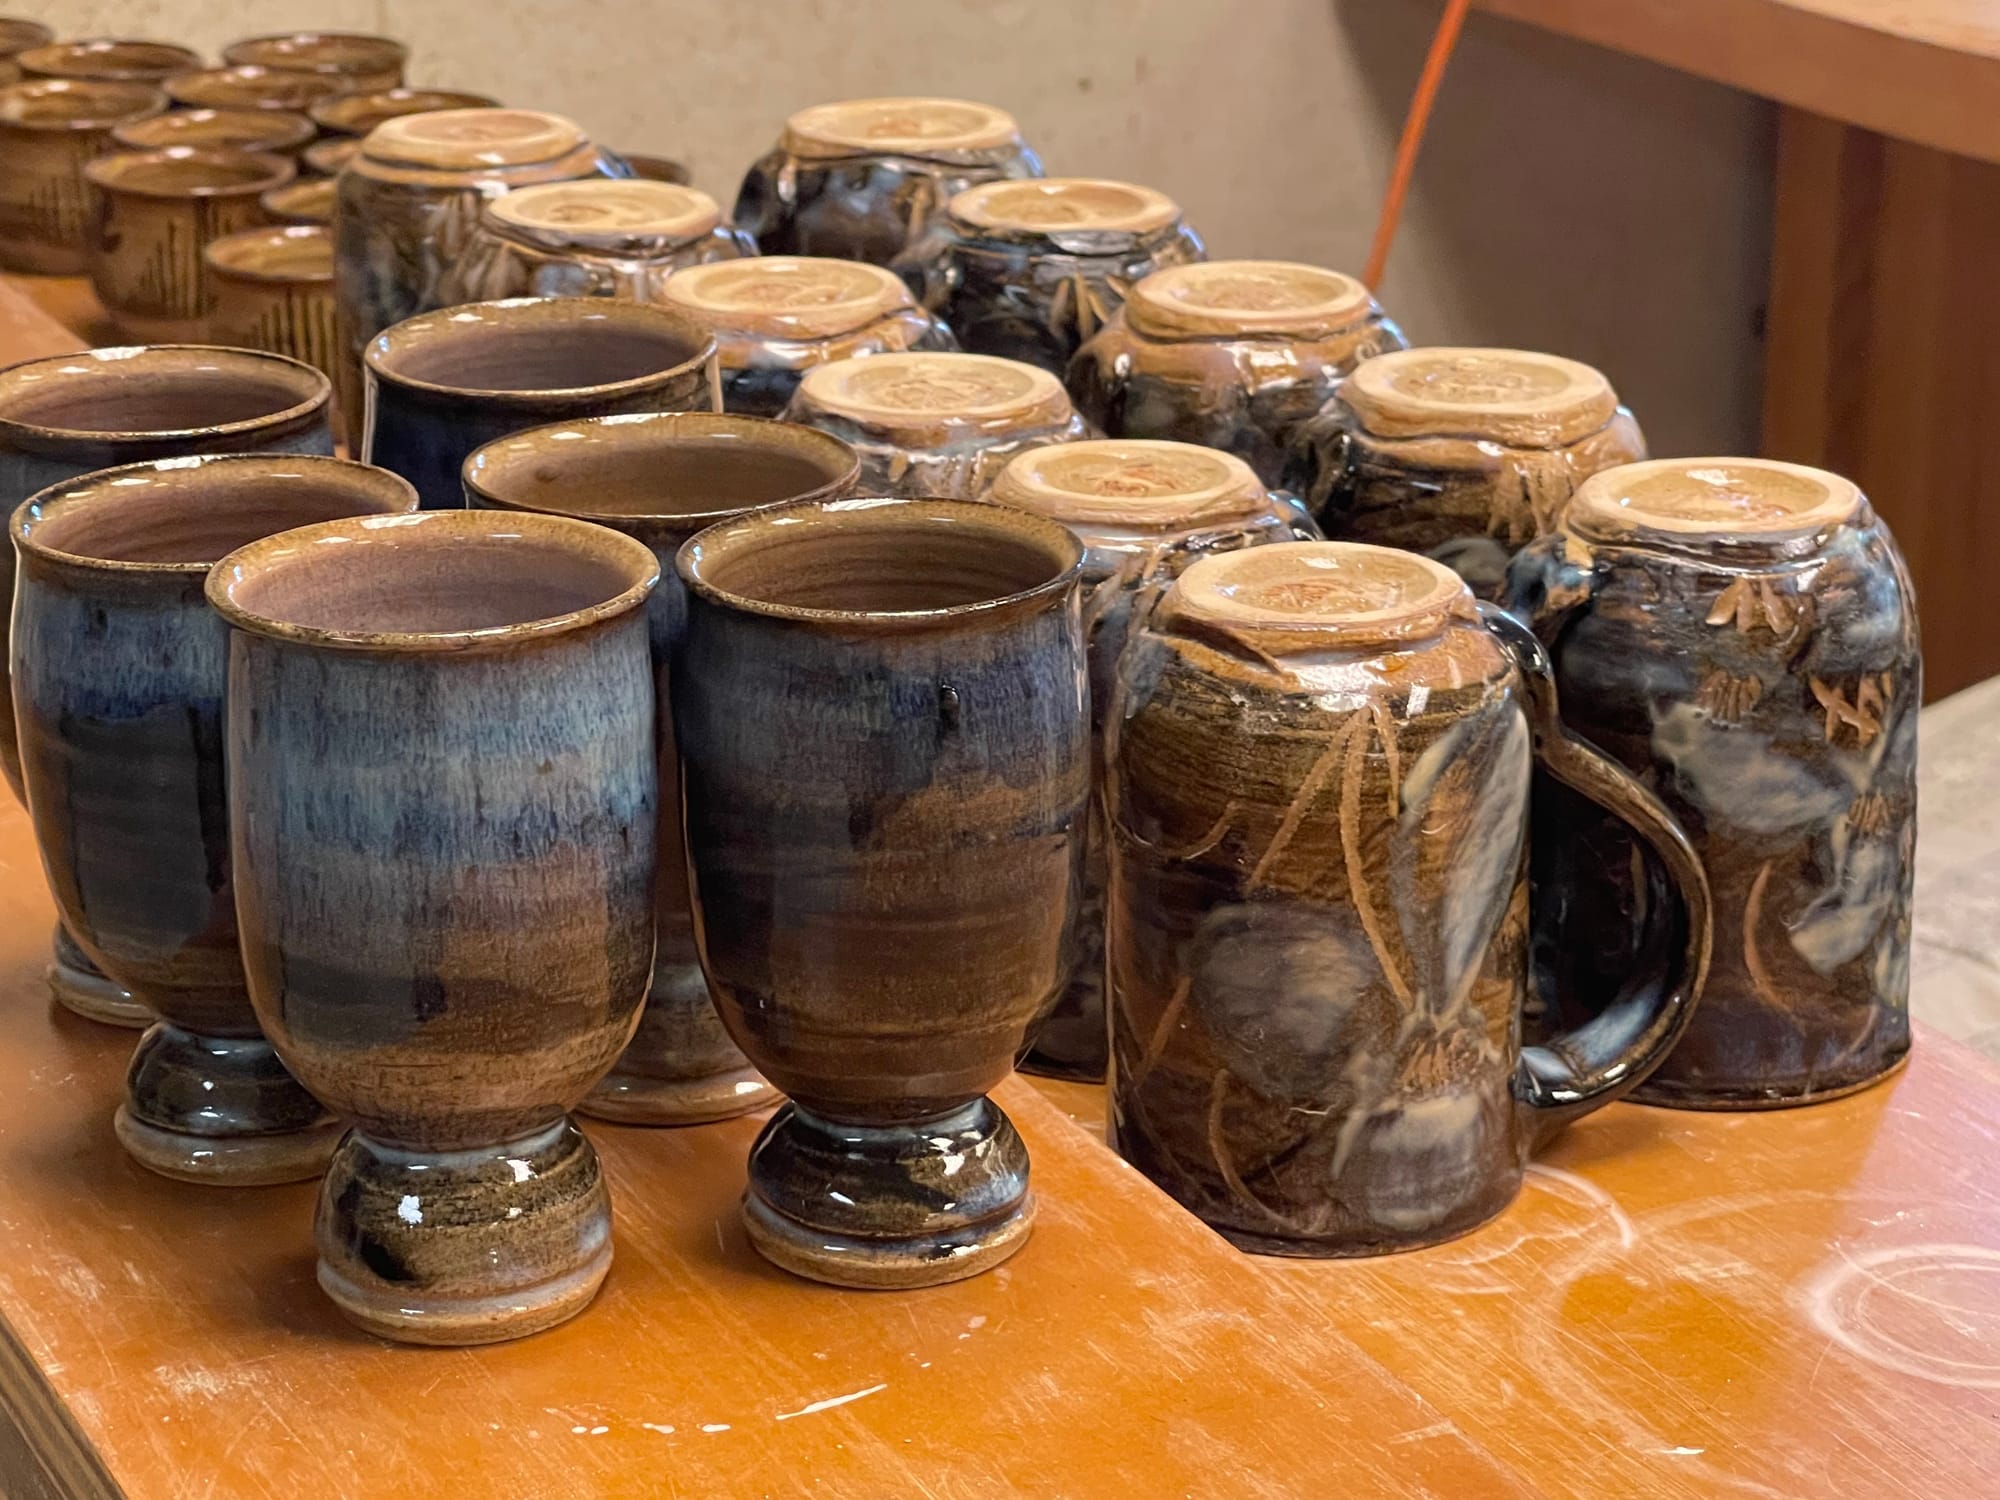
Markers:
(661, 478)
(50, 129)
(68, 414)
(354, 62)
(329, 158)
(442, 384)
(448, 920)
(1741, 635)
(274, 130)
(274, 290)
(1144, 511)
(1464, 455)
(1319, 913)
(307, 201)
(357, 114)
(17, 36)
(249, 88)
(108, 60)
(118, 666)
(156, 212)
(880, 708)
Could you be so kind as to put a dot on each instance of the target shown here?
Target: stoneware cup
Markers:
(309, 200)
(859, 179)
(1231, 354)
(249, 87)
(275, 130)
(156, 212)
(354, 61)
(776, 316)
(107, 60)
(443, 384)
(448, 922)
(880, 707)
(661, 478)
(1741, 635)
(1030, 270)
(329, 158)
(1318, 939)
(49, 130)
(17, 36)
(274, 290)
(358, 113)
(68, 414)
(1144, 511)
(939, 425)
(1464, 455)
(118, 667)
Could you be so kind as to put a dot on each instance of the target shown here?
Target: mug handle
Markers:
(1614, 1052)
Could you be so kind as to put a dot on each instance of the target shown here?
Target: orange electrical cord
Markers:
(1442, 44)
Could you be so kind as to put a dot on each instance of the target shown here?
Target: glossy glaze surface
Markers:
(1742, 635)
(358, 113)
(18, 35)
(662, 479)
(49, 130)
(358, 63)
(107, 59)
(230, 129)
(1319, 917)
(249, 87)
(274, 291)
(308, 202)
(881, 714)
(448, 927)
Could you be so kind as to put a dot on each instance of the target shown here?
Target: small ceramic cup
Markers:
(1741, 635)
(118, 668)
(249, 87)
(1318, 937)
(357, 63)
(1231, 354)
(50, 129)
(157, 211)
(309, 200)
(661, 478)
(1461, 454)
(601, 237)
(17, 36)
(275, 130)
(448, 923)
(935, 424)
(443, 384)
(329, 158)
(858, 180)
(776, 316)
(1030, 270)
(107, 60)
(1144, 512)
(880, 708)
(358, 113)
(274, 290)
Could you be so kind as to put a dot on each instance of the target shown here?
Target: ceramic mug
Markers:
(1144, 512)
(1464, 455)
(661, 478)
(1741, 635)
(118, 668)
(358, 113)
(443, 384)
(1231, 354)
(329, 158)
(248, 87)
(50, 129)
(447, 920)
(859, 179)
(68, 414)
(107, 60)
(274, 290)
(308, 201)
(880, 708)
(1319, 925)
(17, 36)
(355, 62)
(157, 211)
(275, 130)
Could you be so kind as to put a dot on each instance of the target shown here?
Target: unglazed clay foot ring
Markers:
(633, 1099)
(886, 1264)
(456, 1322)
(232, 1160)
(96, 998)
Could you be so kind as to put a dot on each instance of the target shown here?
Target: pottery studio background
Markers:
(1569, 198)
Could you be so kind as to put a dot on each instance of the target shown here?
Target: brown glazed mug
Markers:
(442, 384)
(275, 130)
(18, 36)
(1319, 917)
(329, 158)
(307, 201)
(69, 414)
(156, 212)
(661, 478)
(50, 129)
(443, 797)
(249, 88)
(880, 708)
(357, 114)
(274, 290)
(1741, 635)
(107, 60)
(118, 668)
(355, 62)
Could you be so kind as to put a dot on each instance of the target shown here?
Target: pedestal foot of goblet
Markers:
(82, 989)
(221, 1111)
(470, 1246)
(636, 1099)
(888, 1206)
(680, 1068)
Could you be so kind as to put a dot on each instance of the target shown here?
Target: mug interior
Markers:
(569, 351)
(177, 171)
(152, 393)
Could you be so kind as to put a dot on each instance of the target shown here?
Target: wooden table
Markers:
(1882, 358)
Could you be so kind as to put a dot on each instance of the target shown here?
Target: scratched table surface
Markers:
(1804, 1303)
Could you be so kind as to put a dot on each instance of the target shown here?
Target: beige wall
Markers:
(1569, 199)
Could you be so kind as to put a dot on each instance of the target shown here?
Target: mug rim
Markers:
(14, 429)
(98, 119)
(277, 171)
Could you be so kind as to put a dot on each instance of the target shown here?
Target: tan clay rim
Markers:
(1039, 204)
(1224, 297)
(787, 296)
(1144, 484)
(142, 61)
(281, 253)
(357, 114)
(336, 54)
(891, 392)
(126, 172)
(448, 138)
(1330, 591)
(898, 127)
(328, 157)
(1512, 396)
(312, 199)
(609, 209)
(106, 103)
(249, 86)
(1721, 498)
